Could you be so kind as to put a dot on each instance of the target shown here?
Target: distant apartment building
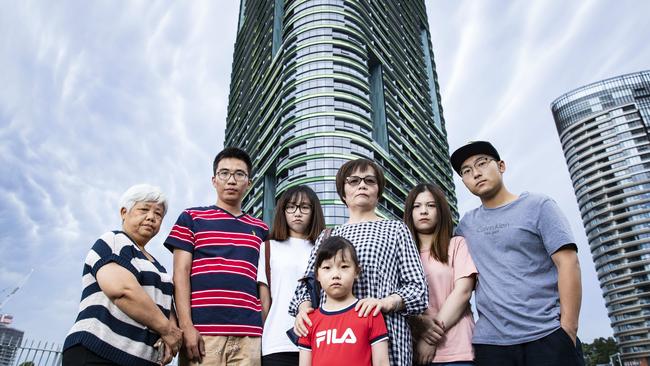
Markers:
(316, 83)
(603, 128)
(10, 340)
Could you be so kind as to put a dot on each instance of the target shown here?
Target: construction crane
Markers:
(6, 319)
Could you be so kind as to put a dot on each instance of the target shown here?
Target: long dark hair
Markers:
(443, 229)
(280, 228)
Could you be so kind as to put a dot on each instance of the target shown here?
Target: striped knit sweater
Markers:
(101, 326)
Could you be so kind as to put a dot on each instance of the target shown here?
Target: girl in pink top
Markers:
(451, 276)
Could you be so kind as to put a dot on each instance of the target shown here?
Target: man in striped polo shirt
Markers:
(216, 251)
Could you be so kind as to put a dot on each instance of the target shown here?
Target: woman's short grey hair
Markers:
(143, 193)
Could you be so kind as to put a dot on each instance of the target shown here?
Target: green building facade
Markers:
(316, 83)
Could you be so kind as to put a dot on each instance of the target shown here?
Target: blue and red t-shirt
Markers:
(343, 337)
(225, 253)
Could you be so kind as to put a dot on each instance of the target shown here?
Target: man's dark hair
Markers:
(235, 153)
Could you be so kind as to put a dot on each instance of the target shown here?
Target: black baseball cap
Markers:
(470, 149)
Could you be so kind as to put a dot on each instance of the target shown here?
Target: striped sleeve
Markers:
(182, 235)
(106, 250)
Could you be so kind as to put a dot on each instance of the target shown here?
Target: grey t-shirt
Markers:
(516, 295)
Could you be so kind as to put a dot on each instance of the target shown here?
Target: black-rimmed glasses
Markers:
(480, 164)
(354, 180)
(239, 175)
(291, 208)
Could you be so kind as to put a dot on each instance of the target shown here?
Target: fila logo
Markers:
(329, 336)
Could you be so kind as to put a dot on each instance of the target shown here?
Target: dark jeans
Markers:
(280, 359)
(81, 356)
(556, 349)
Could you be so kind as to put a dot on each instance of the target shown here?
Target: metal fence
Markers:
(30, 353)
(26, 352)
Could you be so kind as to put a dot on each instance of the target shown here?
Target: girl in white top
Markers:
(298, 222)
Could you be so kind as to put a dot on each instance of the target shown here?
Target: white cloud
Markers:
(472, 26)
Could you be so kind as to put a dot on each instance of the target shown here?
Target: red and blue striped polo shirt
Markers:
(225, 253)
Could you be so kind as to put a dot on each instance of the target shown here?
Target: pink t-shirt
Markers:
(457, 343)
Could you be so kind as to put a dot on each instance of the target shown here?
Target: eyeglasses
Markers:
(239, 175)
(354, 180)
(291, 208)
(479, 164)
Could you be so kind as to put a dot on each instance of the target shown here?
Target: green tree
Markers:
(599, 350)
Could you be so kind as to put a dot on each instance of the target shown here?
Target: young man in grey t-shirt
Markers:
(529, 290)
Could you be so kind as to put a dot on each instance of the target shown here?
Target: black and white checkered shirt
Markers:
(390, 264)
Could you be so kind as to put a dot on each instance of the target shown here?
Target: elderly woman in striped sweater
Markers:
(125, 316)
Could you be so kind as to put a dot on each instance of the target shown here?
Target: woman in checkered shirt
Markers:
(391, 280)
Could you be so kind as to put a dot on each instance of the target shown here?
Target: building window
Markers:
(424, 39)
(278, 17)
(242, 14)
(379, 129)
(269, 195)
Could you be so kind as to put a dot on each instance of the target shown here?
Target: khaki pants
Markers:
(228, 351)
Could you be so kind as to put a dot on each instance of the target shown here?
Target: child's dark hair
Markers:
(235, 153)
(332, 245)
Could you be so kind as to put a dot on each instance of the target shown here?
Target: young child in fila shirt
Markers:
(337, 332)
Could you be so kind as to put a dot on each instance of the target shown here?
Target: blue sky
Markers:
(97, 96)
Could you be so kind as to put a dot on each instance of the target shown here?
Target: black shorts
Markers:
(80, 356)
(280, 359)
(556, 349)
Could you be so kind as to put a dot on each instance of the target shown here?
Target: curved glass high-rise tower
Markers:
(316, 83)
(603, 129)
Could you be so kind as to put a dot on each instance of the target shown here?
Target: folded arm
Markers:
(123, 289)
